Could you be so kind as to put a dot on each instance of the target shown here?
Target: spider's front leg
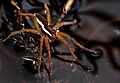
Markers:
(60, 24)
(36, 30)
(34, 20)
(47, 11)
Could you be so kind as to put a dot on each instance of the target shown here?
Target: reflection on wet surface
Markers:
(99, 28)
(12, 71)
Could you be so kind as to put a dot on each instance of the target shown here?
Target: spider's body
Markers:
(48, 33)
(46, 27)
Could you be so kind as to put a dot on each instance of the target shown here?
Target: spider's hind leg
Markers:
(76, 60)
(40, 52)
(64, 35)
(47, 44)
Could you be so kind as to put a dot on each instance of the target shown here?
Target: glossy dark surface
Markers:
(96, 30)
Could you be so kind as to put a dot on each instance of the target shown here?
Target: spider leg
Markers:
(60, 24)
(79, 63)
(76, 43)
(47, 11)
(40, 51)
(48, 52)
(76, 60)
(33, 17)
(47, 70)
(67, 46)
(26, 14)
(22, 31)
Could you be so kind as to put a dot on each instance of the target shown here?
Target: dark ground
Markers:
(96, 29)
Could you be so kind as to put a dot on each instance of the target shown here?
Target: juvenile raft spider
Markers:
(48, 33)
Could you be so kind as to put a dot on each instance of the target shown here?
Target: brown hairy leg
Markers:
(21, 31)
(47, 44)
(47, 11)
(76, 60)
(61, 39)
(75, 42)
(40, 51)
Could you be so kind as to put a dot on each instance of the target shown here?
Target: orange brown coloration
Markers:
(46, 38)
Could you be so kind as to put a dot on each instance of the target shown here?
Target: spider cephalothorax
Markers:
(48, 33)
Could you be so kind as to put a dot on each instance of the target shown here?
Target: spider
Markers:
(48, 33)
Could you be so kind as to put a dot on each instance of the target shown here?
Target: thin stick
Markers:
(33, 17)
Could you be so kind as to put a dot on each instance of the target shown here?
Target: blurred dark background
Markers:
(98, 27)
